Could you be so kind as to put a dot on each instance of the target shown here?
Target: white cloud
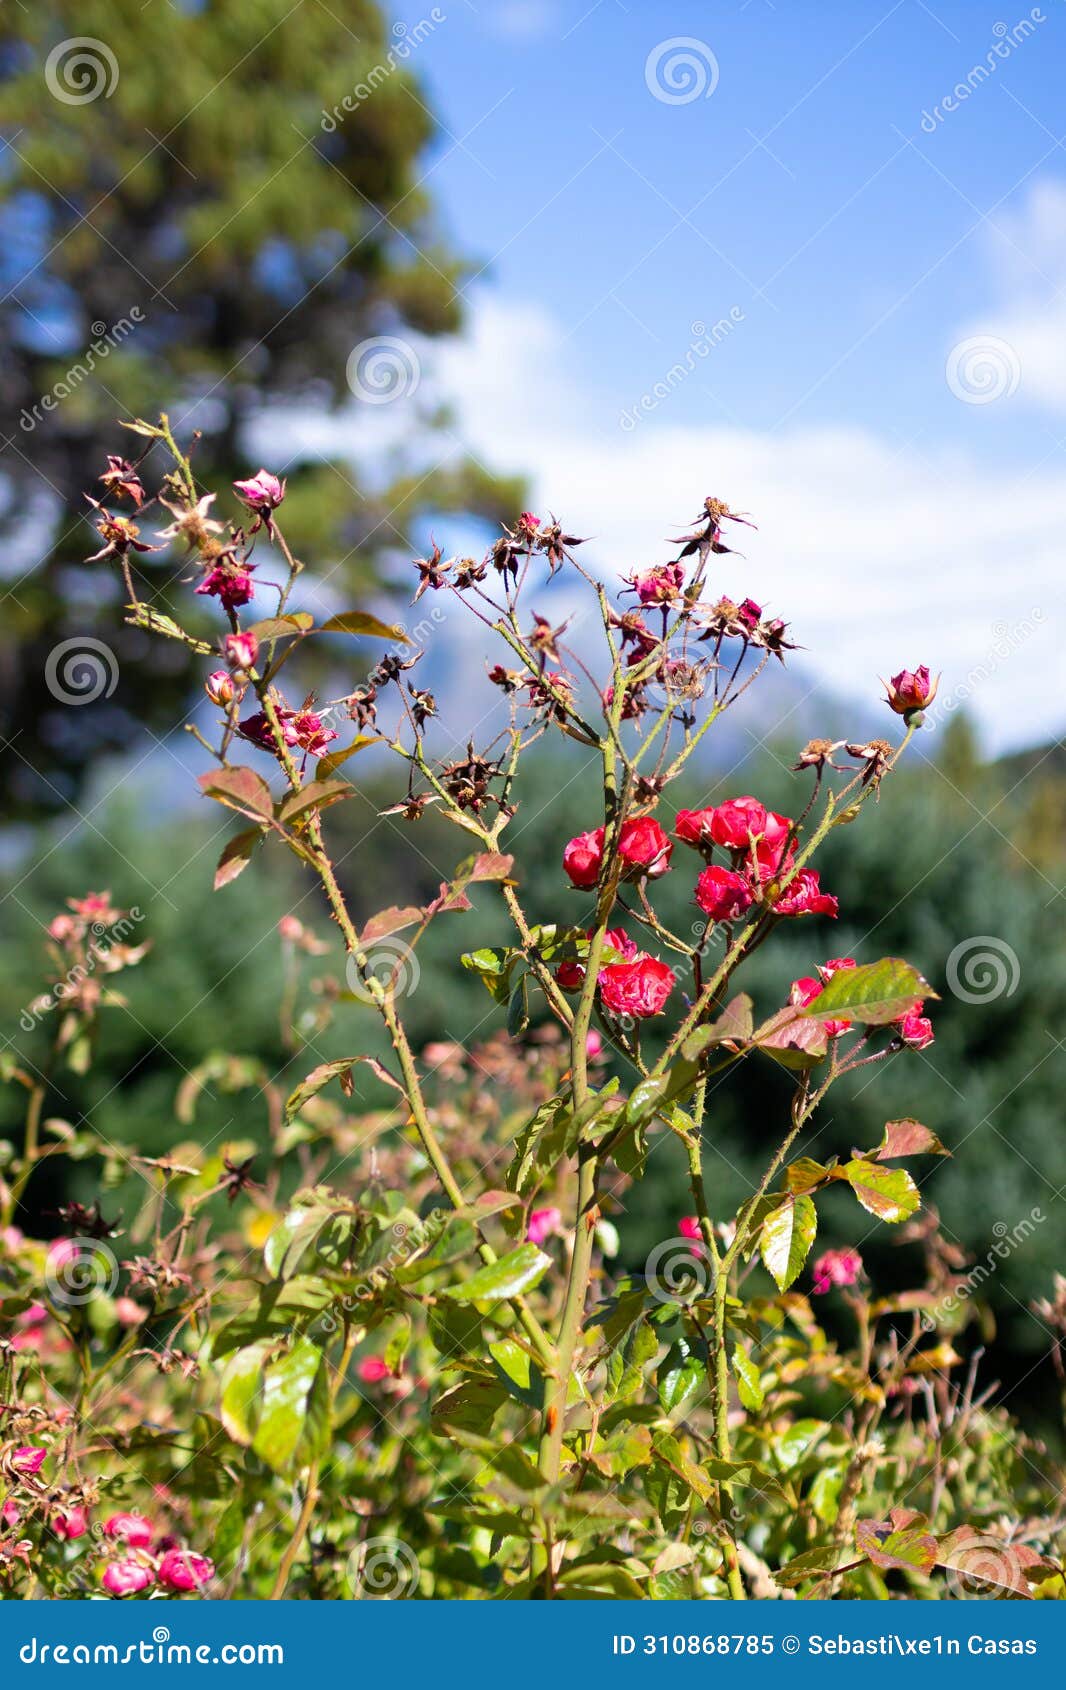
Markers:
(1030, 255)
(879, 557)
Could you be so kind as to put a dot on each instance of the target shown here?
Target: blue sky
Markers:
(888, 394)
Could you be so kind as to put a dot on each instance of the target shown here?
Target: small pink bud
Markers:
(543, 1223)
(180, 1569)
(261, 492)
(373, 1369)
(70, 1523)
(131, 1529)
(129, 1313)
(221, 688)
(241, 650)
(28, 1459)
(125, 1578)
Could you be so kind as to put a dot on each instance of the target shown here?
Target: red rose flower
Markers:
(735, 823)
(916, 1029)
(644, 847)
(722, 894)
(910, 690)
(583, 858)
(639, 988)
(804, 896)
(693, 827)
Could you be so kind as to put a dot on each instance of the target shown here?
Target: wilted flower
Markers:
(241, 650)
(262, 493)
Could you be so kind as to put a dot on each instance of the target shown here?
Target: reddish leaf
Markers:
(912, 1547)
(793, 1039)
(392, 920)
(315, 796)
(241, 789)
(236, 856)
(907, 1138)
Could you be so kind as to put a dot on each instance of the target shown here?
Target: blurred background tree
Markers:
(228, 197)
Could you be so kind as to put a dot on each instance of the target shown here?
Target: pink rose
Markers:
(125, 1578)
(373, 1369)
(660, 586)
(131, 1529)
(262, 492)
(221, 688)
(180, 1569)
(910, 690)
(27, 1459)
(583, 858)
(639, 988)
(836, 1267)
(722, 894)
(543, 1223)
(915, 1029)
(230, 584)
(70, 1523)
(241, 650)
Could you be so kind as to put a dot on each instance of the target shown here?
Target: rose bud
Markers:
(659, 586)
(915, 1029)
(570, 976)
(28, 1459)
(583, 858)
(543, 1223)
(131, 1529)
(735, 823)
(594, 1046)
(373, 1369)
(262, 492)
(749, 613)
(723, 895)
(639, 988)
(910, 690)
(70, 1523)
(693, 827)
(836, 1267)
(180, 1569)
(241, 650)
(689, 1227)
(221, 688)
(804, 896)
(125, 1578)
(644, 847)
(803, 992)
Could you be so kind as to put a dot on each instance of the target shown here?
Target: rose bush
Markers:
(392, 1354)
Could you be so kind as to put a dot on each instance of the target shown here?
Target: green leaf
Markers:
(517, 1373)
(282, 627)
(236, 856)
(316, 795)
(332, 761)
(241, 789)
(514, 1273)
(543, 1142)
(812, 1564)
(287, 1386)
(875, 993)
(241, 1382)
(361, 622)
(749, 1381)
(912, 1547)
(680, 1376)
(804, 1174)
(292, 1237)
(598, 1582)
(888, 1193)
(326, 1071)
(785, 1239)
(907, 1138)
(734, 1026)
